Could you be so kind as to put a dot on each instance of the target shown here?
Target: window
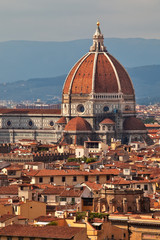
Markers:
(97, 178)
(106, 109)
(74, 179)
(107, 177)
(86, 178)
(73, 201)
(63, 199)
(51, 179)
(30, 123)
(45, 198)
(15, 208)
(9, 238)
(51, 123)
(145, 187)
(63, 179)
(8, 123)
(119, 209)
(87, 201)
(20, 238)
(138, 186)
(80, 108)
(40, 180)
(12, 173)
(57, 198)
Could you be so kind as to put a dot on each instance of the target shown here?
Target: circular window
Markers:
(106, 109)
(51, 123)
(30, 123)
(8, 123)
(80, 108)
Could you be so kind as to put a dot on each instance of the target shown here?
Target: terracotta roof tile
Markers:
(47, 219)
(40, 232)
(93, 185)
(69, 77)
(62, 120)
(125, 81)
(106, 80)
(29, 111)
(133, 123)
(83, 78)
(6, 217)
(107, 121)
(9, 190)
(78, 124)
(71, 192)
(55, 190)
(48, 172)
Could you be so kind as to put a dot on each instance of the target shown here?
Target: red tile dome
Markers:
(62, 120)
(98, 72)
(133, 123)
(108, 121)
(78, 124)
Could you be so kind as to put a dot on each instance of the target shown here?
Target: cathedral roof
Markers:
(98, 72)
(78, 124)
(107, 121)
(133, 123)
(62, 120)
(29, 111)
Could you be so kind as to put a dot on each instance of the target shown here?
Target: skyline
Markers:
(53, 20)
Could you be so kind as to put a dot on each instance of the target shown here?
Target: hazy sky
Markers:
(62, 20)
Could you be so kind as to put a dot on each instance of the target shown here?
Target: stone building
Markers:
(122, 201)
(98, 103)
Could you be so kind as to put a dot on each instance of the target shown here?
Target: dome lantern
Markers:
(98, 45)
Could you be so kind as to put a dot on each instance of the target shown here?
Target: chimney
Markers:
(74, 219)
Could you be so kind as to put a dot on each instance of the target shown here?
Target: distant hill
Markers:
(22, 60)
(146, 82)
(32, 89)
(145, 79)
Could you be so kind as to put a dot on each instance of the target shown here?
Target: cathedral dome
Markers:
(62, 120)
(98, 72)
(107, 121)
(78, 124)
(133, 123)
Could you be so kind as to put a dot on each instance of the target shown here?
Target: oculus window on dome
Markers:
(106, 109)
(8, 123)
(80, 108)
(51, 123)
(30, 123)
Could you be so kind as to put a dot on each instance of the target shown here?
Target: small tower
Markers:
(98, 45)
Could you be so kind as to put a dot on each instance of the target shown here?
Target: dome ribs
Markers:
(125, 81)
(99, 73)
(69, 77)
(105, 79)
(82, 82)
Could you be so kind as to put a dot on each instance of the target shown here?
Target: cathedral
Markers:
(98, 103)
